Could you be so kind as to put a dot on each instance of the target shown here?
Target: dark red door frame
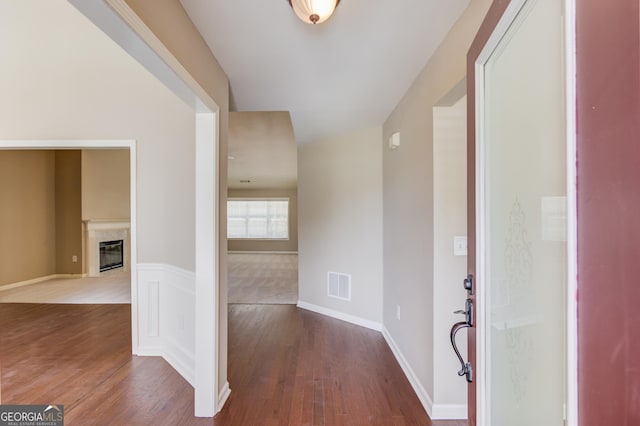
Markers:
(608, 200)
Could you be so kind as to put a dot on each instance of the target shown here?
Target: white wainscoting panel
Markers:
(167, 315)
(150, 277)
(153, 308)
(178, 323)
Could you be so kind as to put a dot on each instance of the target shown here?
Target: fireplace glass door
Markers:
(111, 255)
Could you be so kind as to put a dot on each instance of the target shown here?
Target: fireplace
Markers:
(107, 246)
(111, 255)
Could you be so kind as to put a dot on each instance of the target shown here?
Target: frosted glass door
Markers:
(523, 221)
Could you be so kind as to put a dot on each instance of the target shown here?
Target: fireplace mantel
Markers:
(102, 224)
(99, 230)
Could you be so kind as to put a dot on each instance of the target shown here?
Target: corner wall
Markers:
(68, 212)
(340, 223)
(408, 202)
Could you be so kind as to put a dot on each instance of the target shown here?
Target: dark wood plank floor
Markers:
(286, 367)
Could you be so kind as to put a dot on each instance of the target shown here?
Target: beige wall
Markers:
(449, 220)
(106, 184)
(340, 220)
(409, 199)
(62, 78)
(27, 215)
(266, 245)
(68, 212)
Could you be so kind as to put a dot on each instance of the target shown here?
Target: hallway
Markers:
(270, 278)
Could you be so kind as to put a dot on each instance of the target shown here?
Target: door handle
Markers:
(466, 368)
(467, 312)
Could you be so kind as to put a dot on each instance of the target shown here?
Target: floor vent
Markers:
(339, 285)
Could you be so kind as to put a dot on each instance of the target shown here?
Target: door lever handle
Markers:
(467, 312)
(466, 368)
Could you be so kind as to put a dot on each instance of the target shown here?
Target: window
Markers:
(258, 218)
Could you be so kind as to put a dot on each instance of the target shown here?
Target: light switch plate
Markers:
(460, 245)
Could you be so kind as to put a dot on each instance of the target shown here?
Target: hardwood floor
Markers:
(262, 278)
(287, 366)
(80, 356)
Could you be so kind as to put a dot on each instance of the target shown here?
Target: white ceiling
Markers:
(344, 74)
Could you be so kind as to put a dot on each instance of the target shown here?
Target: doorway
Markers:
(521, 216)
(449, 250)
(262, 209)
(93, 146)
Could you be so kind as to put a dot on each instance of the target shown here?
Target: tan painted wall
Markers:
(409, 199)
(340, 220)
(265, 245)
(171, 24)
(68, 212)
(105, 184)
(27, 215)
(55, 215)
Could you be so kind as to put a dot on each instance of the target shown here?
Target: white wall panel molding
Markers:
(166, 298)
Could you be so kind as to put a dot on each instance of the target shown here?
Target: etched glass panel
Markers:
(525, 223)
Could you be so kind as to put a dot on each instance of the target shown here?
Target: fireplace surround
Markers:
(112, 238)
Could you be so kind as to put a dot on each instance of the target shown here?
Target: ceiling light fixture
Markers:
(314, 11)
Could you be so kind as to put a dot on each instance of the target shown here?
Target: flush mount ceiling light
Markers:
(314, 11)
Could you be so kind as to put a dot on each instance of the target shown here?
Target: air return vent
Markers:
(339, 285)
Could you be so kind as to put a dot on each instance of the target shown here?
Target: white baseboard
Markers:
(449, 412)
(423, 395)
(341, 316)
(180, 360)
(148, 351)
(435, 411)
(262, 252)
(38, 280)
(223, 395)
